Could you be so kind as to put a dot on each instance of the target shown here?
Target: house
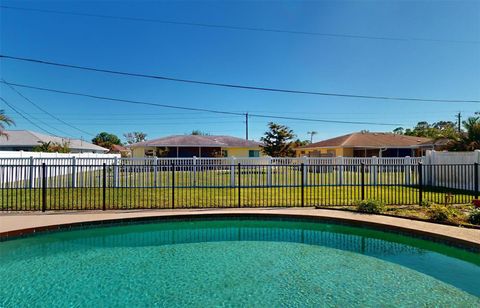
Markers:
(26, 140)
(197, 145)
(366, 144)
(120, 149)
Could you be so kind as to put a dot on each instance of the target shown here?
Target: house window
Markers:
(253, 153)
(149, 153)
(225, 153)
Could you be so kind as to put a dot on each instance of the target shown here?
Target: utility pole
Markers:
(459, 116)
(246, 126)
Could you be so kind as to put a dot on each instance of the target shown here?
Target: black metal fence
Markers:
(76, 187)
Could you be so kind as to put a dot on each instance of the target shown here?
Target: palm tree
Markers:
(4, 120)
(471, 139)
(311, 135)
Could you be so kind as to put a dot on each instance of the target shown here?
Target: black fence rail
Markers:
(88, 187)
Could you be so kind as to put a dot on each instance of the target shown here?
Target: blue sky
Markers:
(314, 63)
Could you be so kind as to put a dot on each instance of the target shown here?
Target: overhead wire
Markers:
(137, 102)
(45, 111)
(236, 86)
(24, 117)
(241, 28)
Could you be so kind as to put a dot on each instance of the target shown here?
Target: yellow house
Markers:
(366, 144)
(197, 145)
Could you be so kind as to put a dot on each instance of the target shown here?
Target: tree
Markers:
(106, 140)
(43, 147)
(4, 120)
(63, 147)
(470, 139)
(436, 130)
(312, 133)
(135, 137)
(277, 141)
(300, 143)
(51, 147)
(467, 139)
(399, 131)
(197, 132)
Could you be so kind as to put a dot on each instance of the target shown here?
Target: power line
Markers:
(317, 120)
(237, 86)
(125, 101)
(42, 122)
(23, 116)
(45, 111)
(193, 109)
(252, 29)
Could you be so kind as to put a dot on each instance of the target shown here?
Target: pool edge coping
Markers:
(449, 235)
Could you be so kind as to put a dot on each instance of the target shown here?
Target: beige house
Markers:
(366, 144)
(197, 145)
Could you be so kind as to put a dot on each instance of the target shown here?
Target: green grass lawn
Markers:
(145, 177)
(140, 187)
(130, 198)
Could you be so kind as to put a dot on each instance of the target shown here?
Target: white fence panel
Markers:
(379, 170)
(462, 177)
(66, 164)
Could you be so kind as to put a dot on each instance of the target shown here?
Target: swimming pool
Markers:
(235, 262)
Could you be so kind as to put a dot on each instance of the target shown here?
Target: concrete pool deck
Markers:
(19, 224)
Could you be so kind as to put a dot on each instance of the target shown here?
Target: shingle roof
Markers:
(118, 148)
(26, 138)
(373, 140)
(197, 141)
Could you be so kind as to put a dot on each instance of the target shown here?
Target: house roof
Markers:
(118, 148)
(197, 141)
(371, 140)
(27, 138)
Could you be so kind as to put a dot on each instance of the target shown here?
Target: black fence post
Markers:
(302, 168)
(362, 168)
(104, 186)
(420, 183)
(44, 187)
(239, 185)
(173, 184)
(475, 181)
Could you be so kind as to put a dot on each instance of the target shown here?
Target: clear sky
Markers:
(406, 68)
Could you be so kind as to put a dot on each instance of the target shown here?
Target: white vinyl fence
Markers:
(70, 165)
(460, 177)
(457, 171)
(14, 163)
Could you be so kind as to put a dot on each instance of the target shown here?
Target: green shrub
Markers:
(441, 213)
(370, 206)
(474, 217)
(426, 203)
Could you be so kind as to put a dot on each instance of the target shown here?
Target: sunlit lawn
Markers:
(123, 198)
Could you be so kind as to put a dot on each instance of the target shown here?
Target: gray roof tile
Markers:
(26, 138)
(197, 141)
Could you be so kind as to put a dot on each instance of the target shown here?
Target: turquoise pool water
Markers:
(240, 263)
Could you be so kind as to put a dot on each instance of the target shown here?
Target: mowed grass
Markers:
(253, 176)
(141, 187)
(159, 198)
